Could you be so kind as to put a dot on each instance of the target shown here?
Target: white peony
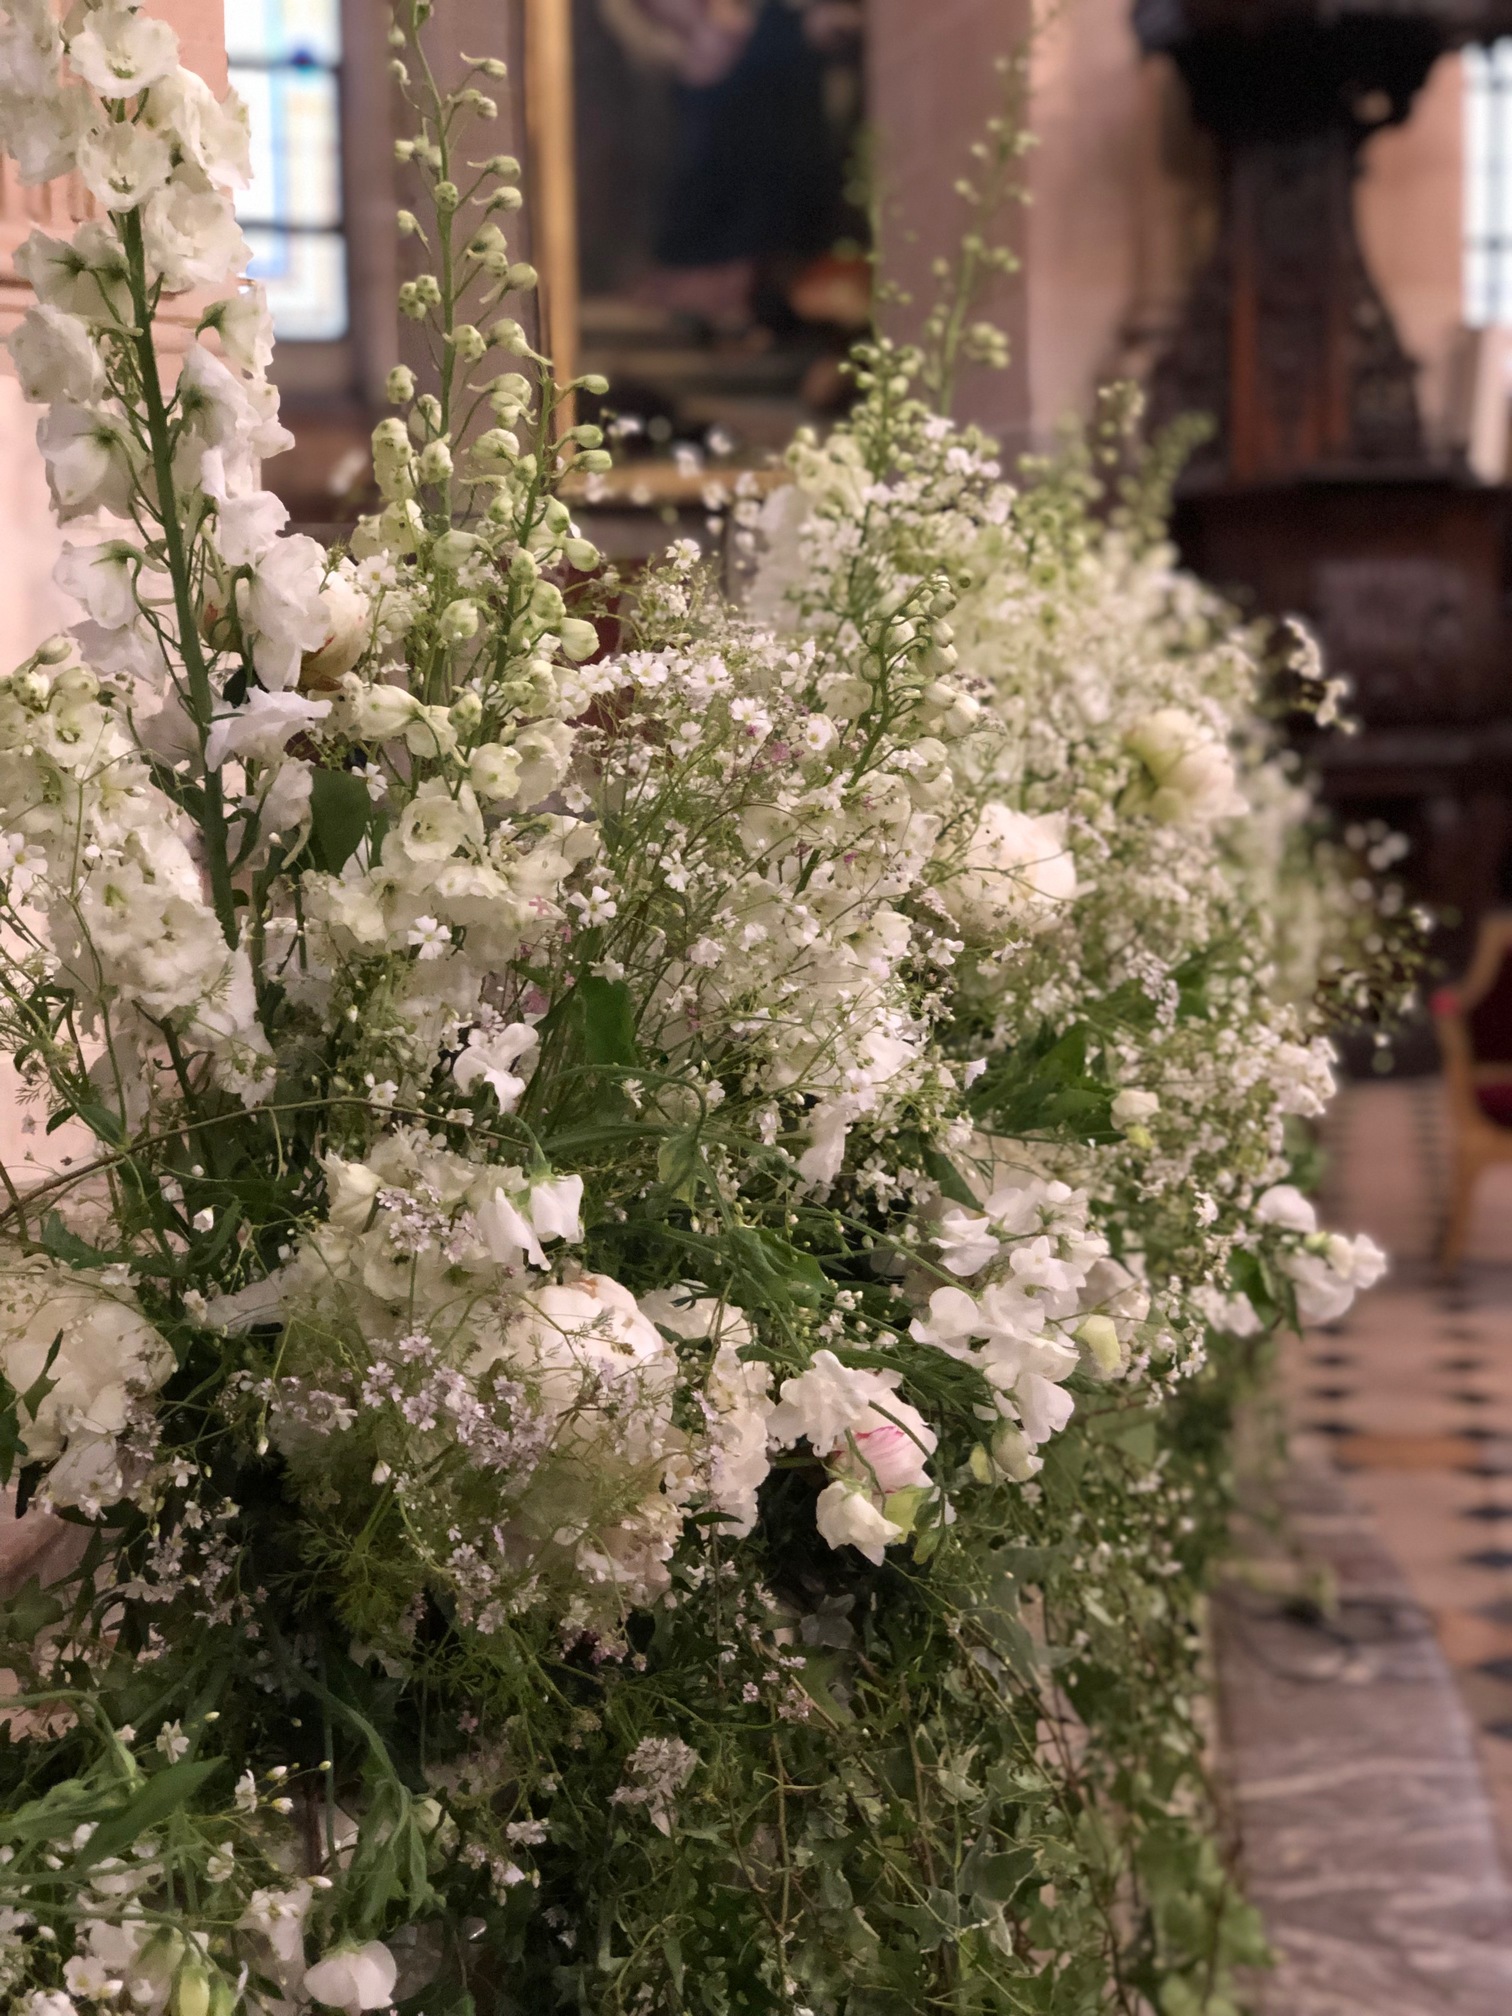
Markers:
(737, 1400)
(1015, 874)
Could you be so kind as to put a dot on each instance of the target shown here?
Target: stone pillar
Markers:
(932, 85)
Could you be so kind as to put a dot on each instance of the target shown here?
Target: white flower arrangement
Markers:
(629, 1132)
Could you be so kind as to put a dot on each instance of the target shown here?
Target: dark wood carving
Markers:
(1315, 494)
(1287, 344)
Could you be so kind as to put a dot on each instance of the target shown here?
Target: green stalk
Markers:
(201, 694)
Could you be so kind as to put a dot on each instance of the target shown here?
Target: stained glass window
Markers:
(285, 58)
(1488, 184)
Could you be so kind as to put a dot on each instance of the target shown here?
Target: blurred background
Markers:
(1290, 216)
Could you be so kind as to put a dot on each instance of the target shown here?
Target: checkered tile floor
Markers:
(1411, 1396)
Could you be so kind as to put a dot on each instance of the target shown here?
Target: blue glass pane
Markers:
(305, 275)
(283, 31)
(296, 147)
(1488, 184)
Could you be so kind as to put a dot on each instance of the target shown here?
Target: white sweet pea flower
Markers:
(354, 1978)
(284, 609)
(261, 727)
(1327, 1283)
(55, 357)
(556, 1209)
(120, 52)
(122, 163)
(1132, 1108)
(1285, 1207)
(277, 1918)
(490, 1057)
(846, 1517)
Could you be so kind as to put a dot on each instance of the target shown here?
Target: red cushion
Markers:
(1490, 1020)
(1495, 1101)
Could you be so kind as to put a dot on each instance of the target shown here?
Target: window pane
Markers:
(305, 275)
(296, 147)
(1488, 184)
(283, 31)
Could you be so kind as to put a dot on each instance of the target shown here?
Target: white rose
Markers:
(1015, 872)
(348, 617)
(1190, 774)
(354, 1978)
(846, 1517)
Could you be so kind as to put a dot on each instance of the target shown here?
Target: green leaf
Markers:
(12, 1441)
(952, 1183)
(70, 1248)
(679, 1165)
(43, 1384)
(163, 1794)
(608, 1014)
(340, 810)
(29, 1613)
(999, 1878)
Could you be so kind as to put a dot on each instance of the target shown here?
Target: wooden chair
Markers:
(1474, 1023)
